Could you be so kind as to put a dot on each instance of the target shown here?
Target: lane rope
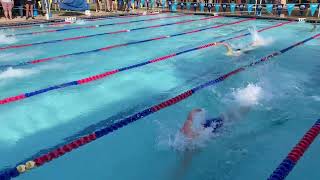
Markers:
(106, 48)
(67, 148)
(103, 34)
(109, 73)
(93, 26)
(286, 166)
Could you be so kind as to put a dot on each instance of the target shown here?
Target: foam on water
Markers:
(249, 95)
(6, 40)
(11, 73)
(16, 73)
(80, 22)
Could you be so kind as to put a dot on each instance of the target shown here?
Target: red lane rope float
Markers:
(62, 150)
(36, 61)
(103, 34)
(286, 166)
(94, 26)
(109, 73)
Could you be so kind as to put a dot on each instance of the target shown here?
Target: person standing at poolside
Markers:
(29, 8)
(7, 6)
(108, 5)
(19, 5)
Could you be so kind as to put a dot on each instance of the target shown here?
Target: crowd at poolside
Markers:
(30, 8)
(10, 9)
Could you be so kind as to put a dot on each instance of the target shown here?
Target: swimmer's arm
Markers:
(187, 126)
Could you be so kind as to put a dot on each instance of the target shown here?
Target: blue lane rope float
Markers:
(286, 166)
(36, 61)
(93, 26)
(99, 76)
(103, 34)
(62, 150)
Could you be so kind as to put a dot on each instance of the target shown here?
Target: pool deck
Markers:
(59, 17)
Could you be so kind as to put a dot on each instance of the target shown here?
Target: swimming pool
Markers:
(284, 93)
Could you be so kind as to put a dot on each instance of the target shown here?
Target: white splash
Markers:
(258, 40)
(16, 73)
(180, 142)
(6, 40)
(169, 139)
(80, 22)
(11, 73)
(249, 95)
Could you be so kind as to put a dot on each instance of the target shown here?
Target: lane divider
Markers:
(103, 34)
(94, 26)
(286, 166)
(30, 25)
(67, 148)
(108, 73)
(61, 21)
(36, 61)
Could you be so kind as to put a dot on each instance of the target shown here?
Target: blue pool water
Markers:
(283, 95)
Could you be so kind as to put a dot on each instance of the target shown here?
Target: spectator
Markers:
(7, 6)
(29, 8)
(108, 5)
(55, 4)
(19, 4)
(114, 5)
(98, 6)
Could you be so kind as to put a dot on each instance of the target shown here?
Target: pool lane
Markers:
(64, 149)
(106, 33)
(108, 73)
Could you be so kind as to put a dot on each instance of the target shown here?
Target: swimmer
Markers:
(214, 123)
(196, 122)
(230, 51)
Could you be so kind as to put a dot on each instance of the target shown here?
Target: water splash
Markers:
(6, 40)
(22, 73)
(177, 141)
(258, 40)
(249, 95)
(16, 73)
(80, 22)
